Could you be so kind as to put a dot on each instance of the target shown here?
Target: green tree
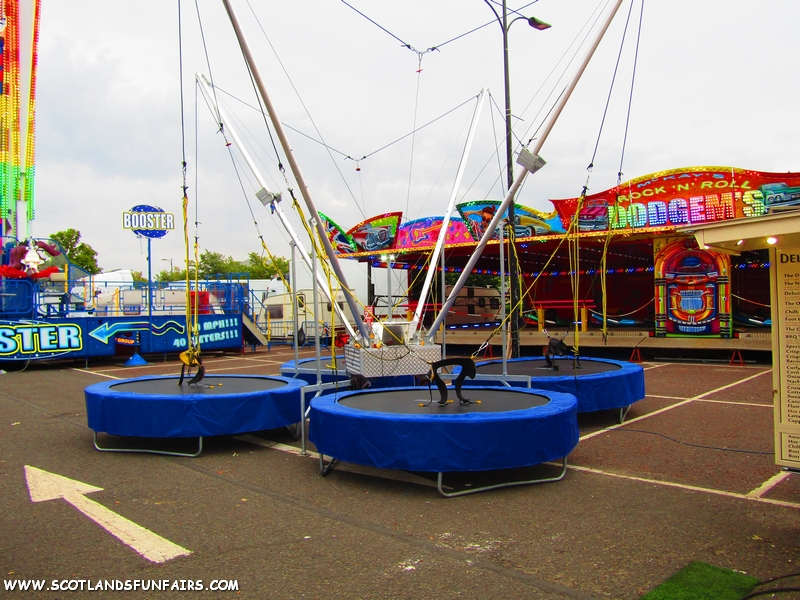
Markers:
(214, 263)
(177, 274)
(264, 268)
(79, 253)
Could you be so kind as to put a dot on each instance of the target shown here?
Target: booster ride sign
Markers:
(148, 221)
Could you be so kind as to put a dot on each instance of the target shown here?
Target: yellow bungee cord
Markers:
(191, 356)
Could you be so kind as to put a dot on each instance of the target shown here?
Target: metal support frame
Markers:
(317, 388)
(504, 330)
(486, 488)
(323, 468)
(295, 308)
(151, 451)
(504, 379)
(294, 430)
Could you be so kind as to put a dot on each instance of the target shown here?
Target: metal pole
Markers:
(530, 160)
(276, 123)
(504, 330)
(150, 286)
(370, 288)
(512, 258)
(315, 304)
(438, 249)
(388, 289)
(443, 294)
(293, 292)
(303, 450)
(512, 255)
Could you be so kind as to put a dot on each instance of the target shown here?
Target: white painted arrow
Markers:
(44, 486)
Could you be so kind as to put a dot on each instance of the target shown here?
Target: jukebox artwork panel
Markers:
(692, 289)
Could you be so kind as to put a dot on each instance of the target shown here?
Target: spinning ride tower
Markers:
(19, 43)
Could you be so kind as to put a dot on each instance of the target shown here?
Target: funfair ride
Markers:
(49, 307)
(399, 347)
(19, 53)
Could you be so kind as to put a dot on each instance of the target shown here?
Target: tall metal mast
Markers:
(276, 123)
(446, 220)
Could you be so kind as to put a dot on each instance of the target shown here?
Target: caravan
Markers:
(101, 293)
(473, 306)
(275, 315)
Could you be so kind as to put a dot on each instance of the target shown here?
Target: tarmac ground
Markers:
(689, 476)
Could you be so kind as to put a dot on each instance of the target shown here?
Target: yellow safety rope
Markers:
(274, 262)
(527, 292)
(191, 356)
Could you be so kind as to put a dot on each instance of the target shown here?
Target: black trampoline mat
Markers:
(408, 401)
(168, 386)
(538, 368)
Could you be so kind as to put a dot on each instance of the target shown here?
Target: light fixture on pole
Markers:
(537, 24)
(170, 263)
(513, 264)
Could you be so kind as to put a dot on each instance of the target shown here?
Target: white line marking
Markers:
(648, 367)
(768, 484)
(706, 400)
(403, 476)
(672, 406)
(44, 486)
(95, 373)
(218, 369)
(734, 384)
(684, 486)
(393, 475)
(635, 419)
(251, 439)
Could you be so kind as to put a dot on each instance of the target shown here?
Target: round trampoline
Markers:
(405, 428)
(306, 369)
(599, 384)
(157, 407)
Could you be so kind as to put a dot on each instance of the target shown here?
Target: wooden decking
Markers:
(618, 338)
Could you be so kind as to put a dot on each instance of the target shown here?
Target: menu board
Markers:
(786, 354)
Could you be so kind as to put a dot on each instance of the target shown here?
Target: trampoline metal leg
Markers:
(559, 477)
(623, 412)
(150, 451)
(294, 431)
(323, 468)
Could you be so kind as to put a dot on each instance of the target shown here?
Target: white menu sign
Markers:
(785, 273)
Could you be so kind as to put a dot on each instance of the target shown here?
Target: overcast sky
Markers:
(716, 84)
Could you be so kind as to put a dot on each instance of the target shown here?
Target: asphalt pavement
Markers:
(689, 475)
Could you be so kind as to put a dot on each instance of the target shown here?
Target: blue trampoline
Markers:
(402, 428)
(306, 369)
(157, 407)
(599, 383)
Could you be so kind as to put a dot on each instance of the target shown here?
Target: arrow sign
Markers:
(107, 330)
(44, 486)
